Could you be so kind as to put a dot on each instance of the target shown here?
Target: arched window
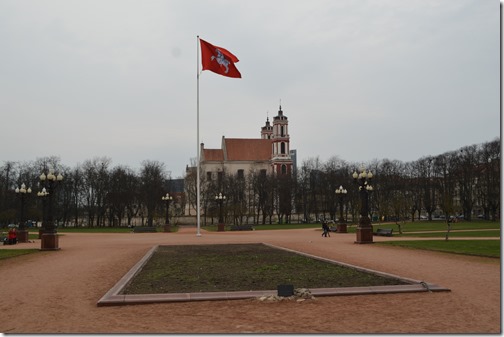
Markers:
(282, 148)
(284, 169)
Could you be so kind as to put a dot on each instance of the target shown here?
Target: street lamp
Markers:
(49, 183)
(220, 200)
(43, 194)
(22, 192)
(364, 229)
(167, 198)
(341, 227)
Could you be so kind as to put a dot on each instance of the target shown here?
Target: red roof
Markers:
(213, 155)
(240, 149)
(248, 149)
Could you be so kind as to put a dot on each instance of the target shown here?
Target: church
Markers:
(269, 154)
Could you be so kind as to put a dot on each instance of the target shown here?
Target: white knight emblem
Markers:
(220, 59)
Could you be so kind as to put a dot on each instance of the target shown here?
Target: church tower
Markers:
(267, 130)
(281, 160)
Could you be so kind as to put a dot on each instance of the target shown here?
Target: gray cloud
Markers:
(358, 79)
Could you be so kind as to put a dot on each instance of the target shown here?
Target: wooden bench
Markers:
(242, 228)
(384, 232)
(144, 230)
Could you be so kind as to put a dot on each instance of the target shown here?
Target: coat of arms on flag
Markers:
(218, 60)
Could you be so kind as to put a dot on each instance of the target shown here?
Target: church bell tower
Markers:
(267, 130)
(281, 160)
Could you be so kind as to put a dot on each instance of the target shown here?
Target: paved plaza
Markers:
(57, 291)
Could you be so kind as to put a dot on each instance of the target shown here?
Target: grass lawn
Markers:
(94, 230)
(455, 234)
(406, 227)
(419, 226)
(62, 230)
(213, 228)
(487, 248)
(241, 267)
(416, 226)
(8, 253)
(287, 226)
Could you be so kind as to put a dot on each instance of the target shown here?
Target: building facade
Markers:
(269, 154)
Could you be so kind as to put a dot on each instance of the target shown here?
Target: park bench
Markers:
(333, 229)
(144, 230)
(242, 228)
(383, 232)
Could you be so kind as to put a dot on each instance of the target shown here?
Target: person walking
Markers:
(325, 228)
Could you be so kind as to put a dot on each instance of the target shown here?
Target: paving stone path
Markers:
(57, 291)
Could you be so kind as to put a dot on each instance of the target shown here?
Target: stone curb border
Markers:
(114, 296)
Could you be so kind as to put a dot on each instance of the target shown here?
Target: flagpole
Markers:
(197, 142)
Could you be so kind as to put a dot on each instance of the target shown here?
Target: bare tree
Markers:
(465, 175)
(152, 177)
(425, 180)
(74, 181)
(444, 167)
(413, 190)
(122, 194)
(8, 172)
(65, 195)
(488, 177)
(314, 175)
(388, 191)
(285, 188)
(190, 185)
(235, 197)
(95, 184)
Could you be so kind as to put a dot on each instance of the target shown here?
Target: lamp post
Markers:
(43, 195)
(49, 236)
(364, 229)
(167, 198)
(341, 227)
(22, 192)
(220, 200)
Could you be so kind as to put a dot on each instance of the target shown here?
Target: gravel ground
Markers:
(57, 291)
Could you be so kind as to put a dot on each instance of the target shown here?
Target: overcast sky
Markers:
(357, 79)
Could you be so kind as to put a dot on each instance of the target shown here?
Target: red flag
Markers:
(218, 60)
